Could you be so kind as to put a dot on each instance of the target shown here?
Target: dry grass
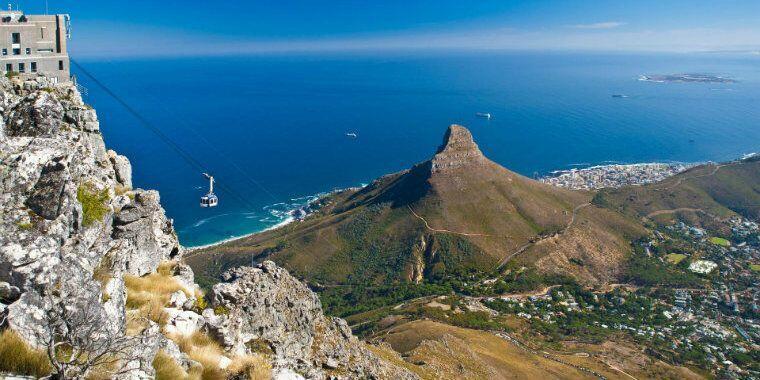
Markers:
(166, 368)
(17, 357)
(206, 351)
(121, 189)
(254, 367)
(149, 294)
(201, 348)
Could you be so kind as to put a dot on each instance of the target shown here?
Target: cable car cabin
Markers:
(209, 200)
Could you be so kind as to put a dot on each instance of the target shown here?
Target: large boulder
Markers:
(37, 115)
(265, 308)
(122, 167)
(141, 226)
(47, 197)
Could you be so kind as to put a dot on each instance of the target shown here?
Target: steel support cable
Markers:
(185, 155)
(166, 139)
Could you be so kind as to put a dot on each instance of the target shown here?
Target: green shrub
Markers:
(221, 310)
(17, 357)
(25, 226)
(11, 74)
(201, 303)
(93, 202)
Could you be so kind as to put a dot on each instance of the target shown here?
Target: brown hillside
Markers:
(457, 211)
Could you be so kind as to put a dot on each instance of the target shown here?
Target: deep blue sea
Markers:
(272, 129)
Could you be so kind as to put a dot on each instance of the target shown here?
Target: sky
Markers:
(146, 28)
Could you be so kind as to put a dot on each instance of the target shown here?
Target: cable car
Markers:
(210, 199)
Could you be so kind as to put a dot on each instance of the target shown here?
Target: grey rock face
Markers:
(50, 145)
(9, 293)
(37, 115)
(458, 150)
(122, 167)
(266, 306)
(47, 197)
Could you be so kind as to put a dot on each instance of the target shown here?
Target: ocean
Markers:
(272, 128)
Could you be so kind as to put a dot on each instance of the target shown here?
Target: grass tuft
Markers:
(19, 358)
(149, 294)
(166, 368)
(254, 367)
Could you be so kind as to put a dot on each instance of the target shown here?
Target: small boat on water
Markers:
(351, 135)
(483, 115)
(619, 96)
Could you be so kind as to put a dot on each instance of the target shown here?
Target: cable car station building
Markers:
(31, 44)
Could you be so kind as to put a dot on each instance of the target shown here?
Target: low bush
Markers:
(94, 203)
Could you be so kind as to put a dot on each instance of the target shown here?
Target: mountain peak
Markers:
(458, 150)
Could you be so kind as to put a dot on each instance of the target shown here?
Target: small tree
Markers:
(77, 337)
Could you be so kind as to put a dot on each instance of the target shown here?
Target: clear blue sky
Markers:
(156, 27)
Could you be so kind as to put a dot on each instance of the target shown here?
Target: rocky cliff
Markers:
(74, 235)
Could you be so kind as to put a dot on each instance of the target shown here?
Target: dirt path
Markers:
(530, 244)
(681, 180)
(675, 210)
(444, 231)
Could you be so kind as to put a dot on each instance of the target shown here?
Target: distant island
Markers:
(686, 78)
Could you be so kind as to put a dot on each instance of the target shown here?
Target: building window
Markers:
(44, 50)
(8, 67)
(42, 33)
(5, 51)
(16, 38)
(60, 65)
(33, 67)
(28, 50)
(16, 51)
(21, 68)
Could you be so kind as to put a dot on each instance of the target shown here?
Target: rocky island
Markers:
(686, 78)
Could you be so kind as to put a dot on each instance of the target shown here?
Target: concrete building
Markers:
(31, 44)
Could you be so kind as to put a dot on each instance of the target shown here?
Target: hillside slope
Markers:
(713, 190)
(457, 212)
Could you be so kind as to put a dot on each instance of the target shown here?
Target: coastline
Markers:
(283, 223)
(544, 179)
(306, 208)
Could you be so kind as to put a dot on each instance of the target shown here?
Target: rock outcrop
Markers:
(266, 309)
(67, 209)
(73, 229)
(458, 150)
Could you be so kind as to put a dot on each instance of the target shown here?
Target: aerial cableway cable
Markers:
(181, 152)
(186, 156)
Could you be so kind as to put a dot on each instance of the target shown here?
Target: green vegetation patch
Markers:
(720, 241)
(648, 271)
(754, 267)
(94, 203)
(675, 258)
